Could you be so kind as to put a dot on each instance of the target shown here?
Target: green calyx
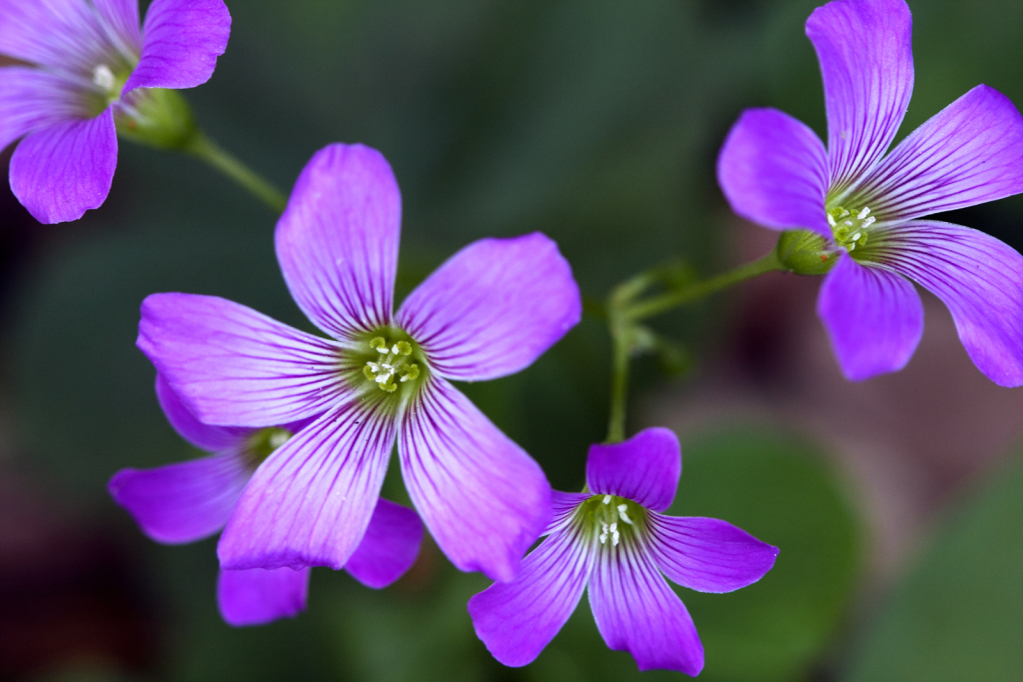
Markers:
(805, 253)
(610, 519)
(158, 118)
(263, 442)
(389, 363)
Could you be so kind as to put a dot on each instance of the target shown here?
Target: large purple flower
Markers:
(192, 500)
(487, 312)
(614, 539)
(863, 210)
(90, 70)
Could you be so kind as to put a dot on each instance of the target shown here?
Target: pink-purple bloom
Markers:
(88, 69)
(615, 540)
(865, 209)
(192, 500)
(379, 377)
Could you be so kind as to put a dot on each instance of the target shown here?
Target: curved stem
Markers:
(206, 149)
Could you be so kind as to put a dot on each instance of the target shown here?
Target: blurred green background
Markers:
(597, 122)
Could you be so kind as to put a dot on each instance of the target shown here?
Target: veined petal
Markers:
(33, 99)
(969, 153)
(310, 502)
(182, 502)
(120, 19)
(483, 498)
(493, 307)
(866, 57)
(337, 241)
(389, 547)
(979, 278)
(774, 171)
(182, 40)
(645, 468)
(259, 596)
(64, 35)
(63, 170)
(202, 436)
(708, 555)
(637, 612)
(234, 366)
(563, 506)
(517, 619)
(874, 318)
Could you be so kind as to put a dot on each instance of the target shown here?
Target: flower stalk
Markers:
(202, 147)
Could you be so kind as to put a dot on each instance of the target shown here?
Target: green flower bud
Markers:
(805, 253)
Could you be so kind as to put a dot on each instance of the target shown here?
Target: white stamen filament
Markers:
(864, 213)
(103, 77)
(622, 508)
(607, 499)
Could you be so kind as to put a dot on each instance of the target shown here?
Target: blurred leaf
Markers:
(959, 614)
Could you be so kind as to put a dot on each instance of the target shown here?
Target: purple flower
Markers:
(863, 209)
(90, 71)
(489, 311)
(192, 500)
(614, 539)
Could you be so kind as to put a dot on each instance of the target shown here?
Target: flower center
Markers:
(850, 227)
(262, 443)
(610, 518)
(394, 364)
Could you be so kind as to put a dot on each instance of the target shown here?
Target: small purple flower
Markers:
(863, 209)
(489, 311)
(614, 539)
(90, 71)
(192, 500)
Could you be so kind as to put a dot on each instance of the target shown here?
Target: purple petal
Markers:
(121, 21)
(563, 506)
(979, 278)
(866, 57)
(60, 172)
(874, 318)
(637, 612)
(234, 366)
(483, 498)
(773, 170)
(708, 555)
(337, 241)
(493, 308)
(182, 40)
(517, 619)
(310, 502)
(182, 502)
(644, 469)
(63, 35)
(969, 153)
(31, 99)
(258, 596)
(202, 436)
(389, 547)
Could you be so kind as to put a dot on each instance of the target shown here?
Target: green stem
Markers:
(619, 387)
(206, 149)
(674, 299)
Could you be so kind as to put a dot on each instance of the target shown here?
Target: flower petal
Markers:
(259, 596)
(645, 468)
(774, 171)
(234, 366)
(874, 318)
(493, 308)
(121, 20)
(517, 619)
(968, 153)
(182, 502)
(337, 241)
(483, 498)
(389, 547)
(310, 502)
(708, 555)
(202, 436)
(61, 171)
(637, 612)
(63, 35)
(32, 99)
(866, 57)
(979, 278)
(182, 40)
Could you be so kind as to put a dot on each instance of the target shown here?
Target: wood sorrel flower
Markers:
(614, 539)
(192, 500)
(89, 71)
(863, 210)
(489, 311)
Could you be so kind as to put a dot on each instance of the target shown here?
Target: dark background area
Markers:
(897, 503)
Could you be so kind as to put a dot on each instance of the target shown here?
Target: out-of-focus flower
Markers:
(489, 311)
(192, 500)
(861, 210)
(614, 539)
(90, 72)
